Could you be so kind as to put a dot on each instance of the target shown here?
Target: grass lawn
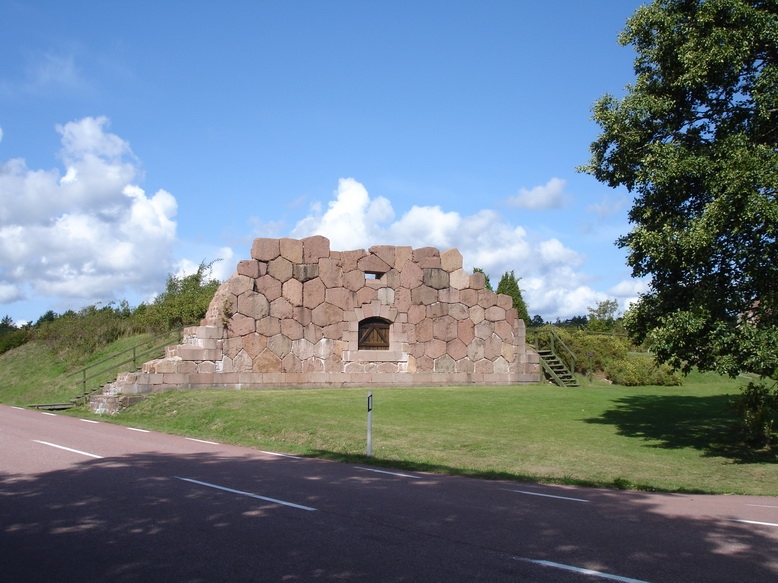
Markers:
(652, 438)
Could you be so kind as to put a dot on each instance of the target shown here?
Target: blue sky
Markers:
(138, 139)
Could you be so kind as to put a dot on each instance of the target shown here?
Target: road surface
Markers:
(83, 501)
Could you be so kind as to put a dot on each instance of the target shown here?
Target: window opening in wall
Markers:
(374, 334)
(373, 275)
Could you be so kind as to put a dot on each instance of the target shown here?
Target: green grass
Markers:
(650, 438)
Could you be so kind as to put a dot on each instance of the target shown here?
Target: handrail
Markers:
(134, 359)
(547, 336)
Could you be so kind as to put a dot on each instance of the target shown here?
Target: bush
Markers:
(639, 370)
(756, 409)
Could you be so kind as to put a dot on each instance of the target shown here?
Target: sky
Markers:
(141, 139)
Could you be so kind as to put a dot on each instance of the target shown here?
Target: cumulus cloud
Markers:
(548, 196)
(89, 233)
(552, 282)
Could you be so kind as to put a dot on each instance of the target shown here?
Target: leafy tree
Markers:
(509, 286)
(602, 318)
(184, 301)
(537, 321)
(695, 140)
(488, 283)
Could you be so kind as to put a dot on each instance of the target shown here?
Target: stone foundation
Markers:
(290, 317)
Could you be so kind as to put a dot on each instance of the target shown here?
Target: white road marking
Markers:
(201, 441)
(138, 430)
(546, 495)
(761, 506)
(754, 522)
(390, 473)
(294, 457)
(89, 421)
(265, 498)
(581, 570)
(69, 449)
(19, 408)
(50, 414)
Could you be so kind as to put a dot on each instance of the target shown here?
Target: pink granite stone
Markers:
(492, 347)
(313, 293)
(456, 349)
(451, 260)
(291, 249)
(424, 295)
(252, 304)
(424, 364)
(469, 297)
(460, 279)
(504, 301)
(487, 298)
(269, 286)
(254, 344)
(267, 361)
(484, 329)
(402, 255)
(411, 276)
(504, 330)
(444, 365)
(280, 345)
(384, 252)
(465, 366)
(477, 281)
(495, 314)
(349, 260)
(330, 272)
(484, 366)
(326, 314)
(445, 328)
(354, 280)
(249, 268)
(365, 296)
(292, 292)
(402, 299)
(466, 331)
(238, 284)
(427, 257)
(280, 268)
(280, 308)
(416, 313)
(292, 329)
(265, 249)
(340, 297)
(373, 264)
(425, 330)
(314, 248)
(240, 325)
(269, 326)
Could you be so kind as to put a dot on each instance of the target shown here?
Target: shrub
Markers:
(640, 370)
(756, 408)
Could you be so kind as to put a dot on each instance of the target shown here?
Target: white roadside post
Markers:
(369, 424)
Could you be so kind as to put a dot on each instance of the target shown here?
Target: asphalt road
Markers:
(84, 501)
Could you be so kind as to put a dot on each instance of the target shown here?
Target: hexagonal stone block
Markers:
(435, 348)
(269, 286)
(314, 248)
(466, 331)
(280, 345)
(427, 257)
(445, 328)
(326, 314)
(265, 249)
(385, 253)
(354, 280)
(313, 293)
(291, 328)
(280, 268)
(267, 361)
(456, 349)
(280, 308)
(238, 284)
(249, 268)
(373, 264)
(303, 272)
(292, 291)
(444, 364)
(451, 260)
(252, 304)
(291, 249)
(495, 314)
(435, 278)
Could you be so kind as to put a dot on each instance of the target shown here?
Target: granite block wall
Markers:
(290, 317)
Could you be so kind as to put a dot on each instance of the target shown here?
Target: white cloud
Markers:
(553, 287)
(88, 235)
(548, 196)
(607, 206)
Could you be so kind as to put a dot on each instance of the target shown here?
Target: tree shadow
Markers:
(704, 423)
(150, 517)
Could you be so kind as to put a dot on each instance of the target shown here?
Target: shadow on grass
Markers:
(418, 466)
(705, 423)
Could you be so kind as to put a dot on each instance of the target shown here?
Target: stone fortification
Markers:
(299, 315)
